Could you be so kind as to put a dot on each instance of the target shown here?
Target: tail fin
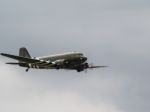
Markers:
(23, 52)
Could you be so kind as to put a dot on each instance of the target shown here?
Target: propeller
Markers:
(92, 66)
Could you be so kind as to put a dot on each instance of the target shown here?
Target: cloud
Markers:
(108, 32)
(34, 92)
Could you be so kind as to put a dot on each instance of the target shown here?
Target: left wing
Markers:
(33, 62)
(19, 58)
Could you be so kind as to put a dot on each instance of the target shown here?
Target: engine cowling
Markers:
(86, 65)
(82, 67)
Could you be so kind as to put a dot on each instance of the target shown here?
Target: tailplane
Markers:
(23, 52)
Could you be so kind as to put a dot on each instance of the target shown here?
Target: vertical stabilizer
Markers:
(23, 52)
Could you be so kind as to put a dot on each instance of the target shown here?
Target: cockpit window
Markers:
(80, 54)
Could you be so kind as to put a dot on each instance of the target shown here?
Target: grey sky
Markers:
(110, 32)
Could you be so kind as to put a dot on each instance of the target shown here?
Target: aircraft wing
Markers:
(19, 58)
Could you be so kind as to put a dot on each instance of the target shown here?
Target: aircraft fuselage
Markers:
(70, 60)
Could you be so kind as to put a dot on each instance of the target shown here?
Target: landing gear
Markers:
(79, 69)
(86, 65)
(27, 69)
(57, 66)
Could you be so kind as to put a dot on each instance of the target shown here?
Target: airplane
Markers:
(70, 61)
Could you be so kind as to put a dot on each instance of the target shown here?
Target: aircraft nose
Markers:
(84, 59)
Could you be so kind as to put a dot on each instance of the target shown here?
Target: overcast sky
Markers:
(109, 32)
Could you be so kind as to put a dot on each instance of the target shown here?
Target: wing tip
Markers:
(1, 53)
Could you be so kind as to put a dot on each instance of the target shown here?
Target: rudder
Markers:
(23, 52)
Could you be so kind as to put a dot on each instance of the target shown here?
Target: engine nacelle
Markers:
(82, 67)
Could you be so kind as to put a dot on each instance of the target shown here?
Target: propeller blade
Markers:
(97, 66)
